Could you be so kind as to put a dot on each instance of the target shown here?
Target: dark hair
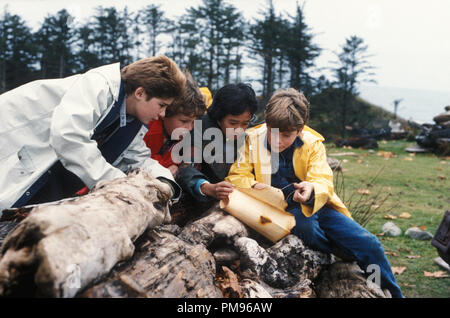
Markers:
(233, 99)
(191, 103)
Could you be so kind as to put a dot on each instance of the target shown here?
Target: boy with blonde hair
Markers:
(302, 172)
(59, 135)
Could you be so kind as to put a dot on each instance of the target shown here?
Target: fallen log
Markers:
(218, 256)
(164, 266)
(345, 280)
(213, 256)
(62, 246)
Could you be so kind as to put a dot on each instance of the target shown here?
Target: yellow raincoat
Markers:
(253, 165)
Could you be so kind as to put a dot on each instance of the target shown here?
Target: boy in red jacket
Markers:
(181, 114)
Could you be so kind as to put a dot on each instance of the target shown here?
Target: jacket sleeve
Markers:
(137, 155)
(241, 172)
(187, 178)
(320, 175)
(72, 126)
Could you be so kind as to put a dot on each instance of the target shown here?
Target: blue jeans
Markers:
(328, 230)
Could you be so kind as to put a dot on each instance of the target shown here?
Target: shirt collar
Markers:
(123, 113)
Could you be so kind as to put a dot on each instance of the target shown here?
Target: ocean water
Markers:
(417, 105)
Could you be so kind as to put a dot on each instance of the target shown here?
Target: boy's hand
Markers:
(220, 190)
(259, 186)
(303, 192)
(173, 169)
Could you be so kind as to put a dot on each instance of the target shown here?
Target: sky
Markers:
(409, 40)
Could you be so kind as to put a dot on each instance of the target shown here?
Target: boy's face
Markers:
(147, 110)
(178, 121)
(234, 125)
(282, 140)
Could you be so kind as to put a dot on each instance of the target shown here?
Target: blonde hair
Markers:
(159, 76)
(190, 103)
(287, 110)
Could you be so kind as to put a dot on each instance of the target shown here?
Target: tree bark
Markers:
(62, 246)
(164, 266)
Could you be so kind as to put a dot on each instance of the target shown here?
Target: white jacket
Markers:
(47, 120)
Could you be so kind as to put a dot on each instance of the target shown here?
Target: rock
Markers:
(443, 146)
(346, 280)
(443, 117)
(225, 256)
(445, 124)
(390, 229)
(417, 149)
(417, 234)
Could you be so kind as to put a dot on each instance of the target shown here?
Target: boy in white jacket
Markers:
(59, 135)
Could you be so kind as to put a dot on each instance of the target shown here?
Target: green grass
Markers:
(421, 187)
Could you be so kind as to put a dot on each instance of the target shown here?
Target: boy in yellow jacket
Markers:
(287, 154)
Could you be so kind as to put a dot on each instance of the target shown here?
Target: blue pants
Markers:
(328, 230)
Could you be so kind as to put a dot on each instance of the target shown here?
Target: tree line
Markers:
(213, 41)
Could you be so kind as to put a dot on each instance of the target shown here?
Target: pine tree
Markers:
(112, 41)
(233, 38)
(55, 38)
(300, 51)
(86, 55)
(264, 37)
(156, 24)
(352, 67)
(216, 30)
(17, 52)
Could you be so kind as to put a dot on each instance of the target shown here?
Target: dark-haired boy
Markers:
(230, 113)
(301, 171)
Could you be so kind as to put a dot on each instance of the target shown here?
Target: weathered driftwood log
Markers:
(173, 262)
(179, 262)
(213, 256)
(60, 248)
(163, 266)
(345, 280)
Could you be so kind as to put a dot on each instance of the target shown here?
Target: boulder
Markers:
(390, 229)
(417, 234)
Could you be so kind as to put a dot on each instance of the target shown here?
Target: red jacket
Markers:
(154, 139)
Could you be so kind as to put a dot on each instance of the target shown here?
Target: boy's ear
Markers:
(300, 131)
(139, 93)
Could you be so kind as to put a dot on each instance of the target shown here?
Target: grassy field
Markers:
(419, 185)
